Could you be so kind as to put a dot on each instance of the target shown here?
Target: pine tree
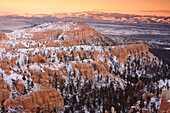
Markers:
(141, 102)
(107, 80)
(23, 77)
(32, 84)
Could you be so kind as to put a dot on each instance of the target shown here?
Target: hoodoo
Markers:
(70, 67)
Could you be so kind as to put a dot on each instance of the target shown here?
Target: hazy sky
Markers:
(155, 7)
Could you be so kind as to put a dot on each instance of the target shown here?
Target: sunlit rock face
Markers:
(165, 101)
(19, 85)
(4, 91)
(135, 50)
(62, 34)
(3, 36)
(45, 99)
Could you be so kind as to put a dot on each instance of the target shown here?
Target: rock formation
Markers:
(135, 50)
(4, 91)
(19, 85)
(3, 36)
(165, 104)
(52, 58)
(43, 100)
(85, 70)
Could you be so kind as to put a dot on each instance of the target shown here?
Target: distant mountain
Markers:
(116, 17)
(97, 15)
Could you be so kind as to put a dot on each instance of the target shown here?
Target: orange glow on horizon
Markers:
(143, 7)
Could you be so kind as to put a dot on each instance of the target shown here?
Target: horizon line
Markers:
(102, 11)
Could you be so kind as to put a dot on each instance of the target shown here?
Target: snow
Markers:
(35, 67)
(8, 78)
(163, 83)
(166, 48)
(29, 32)
(168, 101)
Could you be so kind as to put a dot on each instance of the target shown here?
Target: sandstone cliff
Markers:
(3, 36)
(133, 49)
(4, 91)
(46, 99)
(165, 104)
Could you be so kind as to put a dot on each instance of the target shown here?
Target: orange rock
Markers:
(81, 55)
(3, 36)
(19, 85)
(41, 99)
(4, 66)
(4, 91)
(74, 54)
(63, 71)
(165, 105)
(95, 55)
(134, 49)
(89, 53)
(85, 70)
(105, 65)
(41, 78)
(48, 54)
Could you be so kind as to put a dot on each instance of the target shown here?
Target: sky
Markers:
(144, 7)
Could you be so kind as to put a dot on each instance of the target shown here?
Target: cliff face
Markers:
(19, 85)
(3, 36)
(165, 104)
(83, 34)
(60, 31)
(135, 50)
(85, 70)
(4, 91)
(66, 34)
(46, 99)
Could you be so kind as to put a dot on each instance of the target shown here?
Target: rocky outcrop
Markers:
(100, 67)
(4, 66)
(3, 45)
(3, 36)
(83, 34)
(61, 55)
(95, 55)
(63, 71)
(85, 70)
(4, 91)
(45, 99)
(104, 64)
(165, 104)
(135, 50)
(19, 85)
(146, 95)
(36, 58)
(113, 110)
(55, 73)
(41, 78)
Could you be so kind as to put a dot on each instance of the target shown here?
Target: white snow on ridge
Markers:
(28, 32)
